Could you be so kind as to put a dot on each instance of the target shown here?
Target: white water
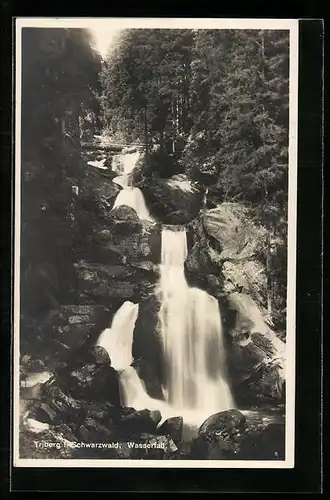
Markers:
(192, 336)
(129, 195)
(191, 330)
(190, 326)
(118, 339)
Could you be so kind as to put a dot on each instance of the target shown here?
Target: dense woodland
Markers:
(218, 101)
(218, 97)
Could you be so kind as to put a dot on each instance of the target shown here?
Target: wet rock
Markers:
(200, 271)
(98, 195)
(147, 347)
(46, 414)
(219, 436)
(224, 422)
(135, 242)
(174, 200)
(100, 355)
(261, 438)
(172, 427)
(108, 162)
(124, 213)
(143, 421)
(264, 443)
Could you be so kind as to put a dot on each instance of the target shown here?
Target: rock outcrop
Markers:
(231, 435)
(174, 200)
(256, 355)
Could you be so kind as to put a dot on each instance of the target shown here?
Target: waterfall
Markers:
(190, 328)
(118, 339)
(192, 335)
(129, 195)
(191, 331)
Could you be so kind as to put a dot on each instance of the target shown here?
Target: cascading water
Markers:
(117, 340)
(190, 327)
(129, 195)
(192, 336)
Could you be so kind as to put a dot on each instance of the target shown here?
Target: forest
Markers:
(217, 101)
(205, 108)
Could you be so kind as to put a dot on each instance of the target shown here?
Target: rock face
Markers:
(124, 239)
(147, 347)
(98, 195)
(229, 421)
(256, 355)
(225, 256)
(225, 260)
(63, 332)
(138, 423)
(230, 227)
(173, 201)
(264, 438)
(101, 283)
(173, 427)
(219, 435)
(230, 435)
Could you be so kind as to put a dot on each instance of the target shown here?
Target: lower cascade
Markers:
(190, 326)
(118, 339)
(191, 330)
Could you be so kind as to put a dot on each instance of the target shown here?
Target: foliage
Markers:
(219, 100)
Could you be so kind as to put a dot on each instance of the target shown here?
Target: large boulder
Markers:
(256, 355)
(95, 382)
(264, 438)
(173, 427)
(139, 422)
(98, 195)
(218, 436)
(172, 201)
(224, 422)
(125, 214)
(232, 435)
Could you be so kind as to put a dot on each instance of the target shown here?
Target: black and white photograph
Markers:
(155, 247)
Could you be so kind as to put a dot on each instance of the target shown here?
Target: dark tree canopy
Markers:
(60, 82)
